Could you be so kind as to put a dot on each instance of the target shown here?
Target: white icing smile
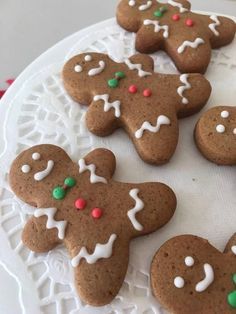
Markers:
(145, 6)
(97, 70)
(207, 281)
(100, 251)
(39, 176)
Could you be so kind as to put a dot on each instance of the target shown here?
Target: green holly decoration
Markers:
(58, 193)
(232, 295)
(70, 182)
(120, 75)
(113, 83)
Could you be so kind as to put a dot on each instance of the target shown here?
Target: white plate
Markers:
(37, 110)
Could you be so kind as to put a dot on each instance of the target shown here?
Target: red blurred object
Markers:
(3, 91)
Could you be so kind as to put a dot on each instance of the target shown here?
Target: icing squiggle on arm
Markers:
(179, 5)
(146, 6)
(108, 105)
(139, 205)
(161, 120)
(39, 176)
(100, 251)
(158, 27)
(233, 249)
(97, 70)
(92, 168)
(138, 67)
(51, 222)
(193, 44)
(184, 79)
(212, 26)
(207, 281)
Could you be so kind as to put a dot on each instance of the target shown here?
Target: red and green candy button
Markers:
(59, 192)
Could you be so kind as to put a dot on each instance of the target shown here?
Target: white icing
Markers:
(36, 156)
(139, 205)
(184, 79)
(132, 3)
(25, 168)
(108, 105)
(51, 222)
(207, 281)
(88, 58)
(179, 5)
(234, 131)
(179, 282)
(224, 114)
(78, 68)
(233, 249)
(97, 70)
(220, 128)
(138, 67)
(39, 176)
(101, 251)
(189, 261)
(193, 44)
(92, 168)
(213, 26)
(161, 120)
(145, 6)
(158, 27)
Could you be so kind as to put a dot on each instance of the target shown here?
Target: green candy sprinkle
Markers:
(70, 182)
(113, 83)
(120, 75)
(158, 13)
(58, 193)
(232, 299)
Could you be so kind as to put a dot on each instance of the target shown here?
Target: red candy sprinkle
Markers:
(97, 213)
(133, 89)
(176, 17)
(147, 92)
(189, 22)
(80, 203)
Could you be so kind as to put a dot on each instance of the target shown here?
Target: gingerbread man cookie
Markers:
(185, 36)
(131, 96)
(189, 275)
(95, 217)
(215, 135)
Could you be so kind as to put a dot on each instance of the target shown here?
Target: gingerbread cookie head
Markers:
(187, 37)
(95, 217)
(189, 269)
(132, 96)
(215, 135)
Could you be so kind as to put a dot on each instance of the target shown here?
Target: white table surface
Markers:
(29, 27)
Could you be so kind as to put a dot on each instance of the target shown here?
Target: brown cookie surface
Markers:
(189, 275)
(187, 37)
(215, 135)
(94, 216)
(132, 96)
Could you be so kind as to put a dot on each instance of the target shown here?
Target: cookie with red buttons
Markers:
(130, 95)
(189, 275)
(186, 37)
(95, 217)
(215, 135)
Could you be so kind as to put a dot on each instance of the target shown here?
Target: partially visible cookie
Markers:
(185, 36)
(215, 135)
(190, 276)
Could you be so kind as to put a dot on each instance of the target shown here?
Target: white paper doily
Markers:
(36, 110)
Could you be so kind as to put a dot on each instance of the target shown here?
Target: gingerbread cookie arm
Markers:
(105, 266)
(221, 30)
(190, 91)
(147, 63)
(37, 237)
(130, 22)
(231, 246)
(150, 206)
(99, 165)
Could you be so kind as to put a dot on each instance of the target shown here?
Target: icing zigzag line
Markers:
(184, 79)
(92, 168)
(161, 120)
(139, 205)
(193, 44)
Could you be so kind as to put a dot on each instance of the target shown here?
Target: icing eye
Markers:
(78, 68)
(25, 168)
(189, 261)
(224, 114)
(132, 3)
(88, 58)
(36, 156)
(179, 282)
